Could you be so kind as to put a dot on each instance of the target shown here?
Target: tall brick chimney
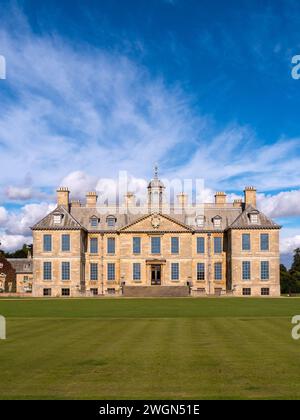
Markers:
(63, 197)
(91, 199)
(250, 196)
(220, 198)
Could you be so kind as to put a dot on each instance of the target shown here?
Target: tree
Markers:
(19, 253)
(296, 262)
(288, 283)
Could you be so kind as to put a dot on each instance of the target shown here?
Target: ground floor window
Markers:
(247, 291)
(201, 290)
(218, 292)
(111, 272)
(200, 271)
(265, 291)
(94, 292)
(175, 271)
(65, 292)
(111, 291)
(218, 271)
(47, 292)
(136, 271)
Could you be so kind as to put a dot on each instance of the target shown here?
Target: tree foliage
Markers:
(290, 279)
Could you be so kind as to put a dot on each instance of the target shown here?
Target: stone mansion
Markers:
(182, 249)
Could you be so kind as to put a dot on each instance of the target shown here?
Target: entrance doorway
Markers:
(156, 275)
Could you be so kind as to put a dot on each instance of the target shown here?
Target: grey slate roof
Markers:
(21, 265)
(231, 217)
(68, 221)
(243, 221)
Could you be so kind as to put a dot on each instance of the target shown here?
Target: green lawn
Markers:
(150, 348)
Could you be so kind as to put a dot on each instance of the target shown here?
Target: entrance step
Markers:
(156, 291)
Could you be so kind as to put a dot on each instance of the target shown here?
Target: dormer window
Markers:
(200, 221)
(217, 221)
(111, 221)
(57, 218)
(254, 218)
(94, 221)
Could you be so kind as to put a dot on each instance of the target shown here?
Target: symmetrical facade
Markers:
(214, 249)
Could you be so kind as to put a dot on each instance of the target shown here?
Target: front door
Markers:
(156, 275)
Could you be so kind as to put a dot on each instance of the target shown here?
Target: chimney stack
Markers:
(129, 199)
(182, 199)
(250, 196)
(238, 203)
(91, 199)
(220, 198)
(75, 203)
(63, 195)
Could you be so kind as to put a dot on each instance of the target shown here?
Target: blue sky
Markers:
(202, 87)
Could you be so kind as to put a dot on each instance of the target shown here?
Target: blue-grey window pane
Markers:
(136, 271)
(246, 244)
(111, 222)
(47, 243)
(47, 271)
(65, 271)
(264, 242)
(175, 245)
(94, 272)
(65, 243)
(218, 245)
(200, 271)
(175, 271)
(155, 245)
(136, 245)
(111, 272)
(200, 245)
(218, 271)
(265, 270)
(111, 246)
(94, 221)
(94, 246)
(246, 270)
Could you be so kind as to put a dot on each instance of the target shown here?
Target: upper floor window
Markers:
(175, 245)
(94, 221)
(264, 242)
(254, 217)
(57, 218)
(200, 245)
(65, 243)
(264, 270)
(218, 245)
(94, 245)
(155, 245)
(65, 271)
(246, 243)
(217, 221)
(136, 245)
(111, 245)
(200, 221)
(47, 242)
(111, 221)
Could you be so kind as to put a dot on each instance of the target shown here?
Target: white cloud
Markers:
(19, 193)
(283, 204)
(3, 215)
(289, 244)
(12, 242)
